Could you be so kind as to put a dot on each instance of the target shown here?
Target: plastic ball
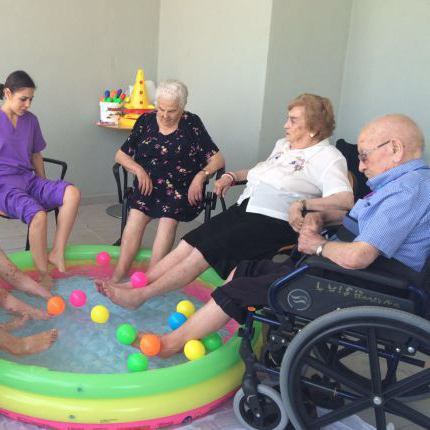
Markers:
(126, 334)
(78, 298)
(99, 314)
(212, 341)
(55, 305)
(138, 280)
(137, 362)
(103, 258)
(150, 344)
(194, 350)
(176, 320)
(185, 307)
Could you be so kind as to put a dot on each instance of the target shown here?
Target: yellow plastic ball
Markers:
(99, 314)
(194, 350)
(185, 307)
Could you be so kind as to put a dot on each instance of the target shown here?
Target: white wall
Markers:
(74, 51)
(387, 66)
(308, 41)
(219, 49)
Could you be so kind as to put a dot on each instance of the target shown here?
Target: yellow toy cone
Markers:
(138, 103)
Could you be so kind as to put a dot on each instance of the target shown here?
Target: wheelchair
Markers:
(339, 343)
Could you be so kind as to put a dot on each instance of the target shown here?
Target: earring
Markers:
(311, 134)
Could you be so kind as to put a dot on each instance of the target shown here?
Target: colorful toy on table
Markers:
(176, 319)
(137, 362)
(103, 258)
(185, 307)
(138, 280)
(126, 334)
(99, 314)
(55, 305)
(194, 349)
(138, 103)
(78, 298)
(150, 344)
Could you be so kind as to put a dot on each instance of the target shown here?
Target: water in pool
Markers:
(86, 347)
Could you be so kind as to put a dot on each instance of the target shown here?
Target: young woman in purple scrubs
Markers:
(25, 193)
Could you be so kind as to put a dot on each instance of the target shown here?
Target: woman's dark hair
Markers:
(15, 81)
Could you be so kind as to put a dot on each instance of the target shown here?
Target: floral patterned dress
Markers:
(171, 161)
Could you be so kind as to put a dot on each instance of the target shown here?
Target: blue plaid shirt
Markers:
(395, 216)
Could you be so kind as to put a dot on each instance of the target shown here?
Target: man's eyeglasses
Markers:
(363, 155)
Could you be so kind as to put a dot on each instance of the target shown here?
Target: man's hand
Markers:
(222, 185)
(314, 222)
(195, 190)
(295, 216)
(145, 182)
(309, 241)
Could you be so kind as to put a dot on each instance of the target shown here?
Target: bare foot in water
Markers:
(14, 305)
(15, 323)
(169, 346)
(124, 297)
(33, 344)
(46, 281)
(100, 283)
(57, 259)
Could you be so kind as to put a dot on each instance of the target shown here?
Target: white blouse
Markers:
(289, 175)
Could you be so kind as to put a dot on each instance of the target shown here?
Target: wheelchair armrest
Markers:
(63, 165)
(379, 277)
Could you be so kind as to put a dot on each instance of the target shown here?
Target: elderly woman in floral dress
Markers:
(171, 154)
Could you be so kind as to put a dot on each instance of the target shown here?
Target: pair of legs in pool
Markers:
(137, 222)
(38, 235)
(22, 311)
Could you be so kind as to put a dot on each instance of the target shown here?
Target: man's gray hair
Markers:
(172, 89)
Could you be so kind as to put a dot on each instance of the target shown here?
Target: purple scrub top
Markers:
(18, 144)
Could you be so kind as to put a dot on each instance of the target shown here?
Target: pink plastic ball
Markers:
(138, 280)
(78, 298)
(103, 258)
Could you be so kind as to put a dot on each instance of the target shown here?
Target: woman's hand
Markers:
(222, 185)
(295, 216)
(195, 190)
(145, 182)
(314, 222)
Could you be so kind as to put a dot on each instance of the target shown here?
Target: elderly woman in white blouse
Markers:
(304, 172)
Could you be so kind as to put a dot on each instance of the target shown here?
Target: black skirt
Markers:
(236, 235)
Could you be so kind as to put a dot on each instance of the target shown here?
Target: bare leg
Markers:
(182, 251)
(179, 254)
(15, 323)
(65, 221)
(130, 243)
(38, 247)
(177, 277)
(38, 241)
(29, 344)
(14, 305)
(17, 279)
(163, 242)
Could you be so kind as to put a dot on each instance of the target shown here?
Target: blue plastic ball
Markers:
(176, 320)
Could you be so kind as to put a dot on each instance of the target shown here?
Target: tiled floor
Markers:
(94, 226)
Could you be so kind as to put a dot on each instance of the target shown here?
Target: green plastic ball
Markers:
(126, 334)
(212, 341)
(137, 362)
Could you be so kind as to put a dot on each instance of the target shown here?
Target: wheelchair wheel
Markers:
(367, 360)
(274, 416)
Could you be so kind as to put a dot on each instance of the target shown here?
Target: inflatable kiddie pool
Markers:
(144, 400)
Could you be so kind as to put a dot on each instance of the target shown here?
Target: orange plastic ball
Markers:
(150, 344)
(56, 305)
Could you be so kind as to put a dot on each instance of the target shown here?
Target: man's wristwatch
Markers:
(320, 248)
